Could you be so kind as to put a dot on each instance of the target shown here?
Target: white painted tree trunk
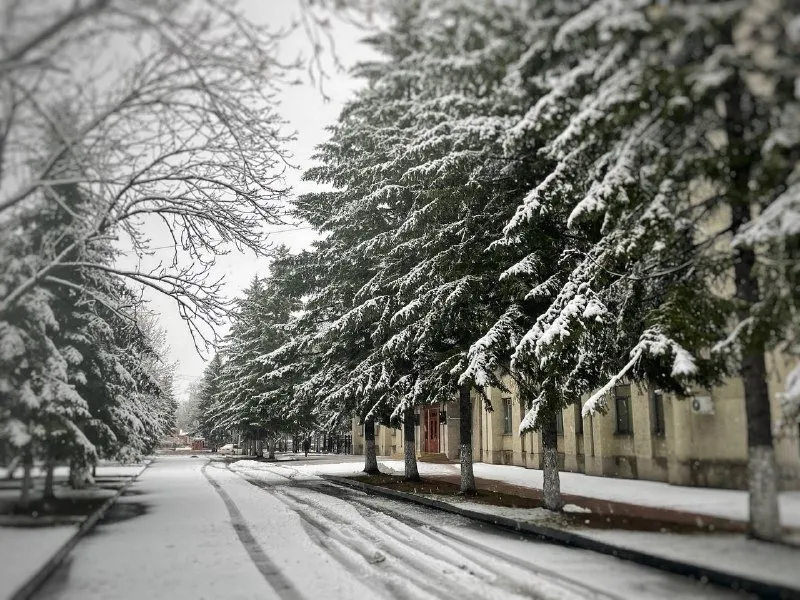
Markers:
(467, 472)
(12, 467)
(409, 446)
(551, 487)
(762, 478)
(410, 456)
(762, 471)
(271, 445)
(80, 475)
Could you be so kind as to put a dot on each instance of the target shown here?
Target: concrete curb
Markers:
(30, 587)
(762, 589)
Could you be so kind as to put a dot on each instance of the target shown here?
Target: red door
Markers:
(431, 420)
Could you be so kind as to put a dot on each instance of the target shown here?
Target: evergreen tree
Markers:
(657, 119)
(208, 397)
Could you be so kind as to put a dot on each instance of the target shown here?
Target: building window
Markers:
(578, 420)
(622, 406)
(659, 426)
(560, 423)
(506, 416)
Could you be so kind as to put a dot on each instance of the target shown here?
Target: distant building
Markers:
(646, 434)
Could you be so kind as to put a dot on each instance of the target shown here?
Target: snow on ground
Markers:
(315, 571)
(182, 546)
(401, 550)
(24, 550)
(730, 552)
(727, 552)
(180, 535)
(104, 469)
(297, 471)
(121, 470)
(730, 504)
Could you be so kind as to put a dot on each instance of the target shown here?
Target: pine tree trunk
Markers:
(409, 445)
(465, 432)
(48, 480)
(12, 466)
(762, 470)
(551, 488)
(370, 456)
(27, 481)
(79, 475)
(271, 444)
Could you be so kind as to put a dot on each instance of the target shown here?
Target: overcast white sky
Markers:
(307, 112)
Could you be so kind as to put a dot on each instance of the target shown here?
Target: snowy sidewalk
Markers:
(171, 531)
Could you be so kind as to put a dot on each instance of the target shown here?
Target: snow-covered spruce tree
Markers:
(662, 120)
(425, 135)
(254, 388)
(122, 372)
(344, 314)
(154, 363)
(90, 312)
(207, 402)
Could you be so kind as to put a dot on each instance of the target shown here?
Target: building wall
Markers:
(695, 449)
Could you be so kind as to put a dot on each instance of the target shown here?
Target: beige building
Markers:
(700, 441)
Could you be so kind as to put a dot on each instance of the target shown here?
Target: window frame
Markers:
(560, 423)
(578, 420)
(659, 419)
(508, 416)
(621, 428)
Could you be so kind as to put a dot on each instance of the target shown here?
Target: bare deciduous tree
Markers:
(166, 113)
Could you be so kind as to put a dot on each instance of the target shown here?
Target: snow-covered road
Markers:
(194, 529)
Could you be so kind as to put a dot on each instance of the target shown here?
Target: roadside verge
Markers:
(760, 587)
(26, 590)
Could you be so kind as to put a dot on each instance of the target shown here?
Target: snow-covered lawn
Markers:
(104, 469)
(24, 550)
(296, 471)
(730, 504)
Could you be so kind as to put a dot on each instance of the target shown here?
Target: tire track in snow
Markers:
(506, 571)
(483, 553)
(400, 577)
(268, 569)
(463, 563)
